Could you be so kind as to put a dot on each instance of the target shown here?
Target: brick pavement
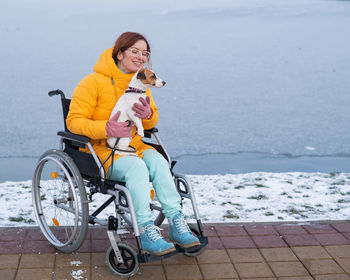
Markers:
(286, 251)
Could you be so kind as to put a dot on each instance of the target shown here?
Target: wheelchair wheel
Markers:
(59, 200)
(130, 265)
(195, 232)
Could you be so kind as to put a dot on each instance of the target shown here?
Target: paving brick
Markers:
(37, 261)
(98, 233)
(98, 259)
(260, 230)
(12, 234)
(35, 274)
(165, 231)
(278, 254)
(215, 271)
(300, 240)
(290, 229)
(190, 272)
(214, 243)
(130, 241)
(319, 228)
(38, 246)
(322, 267)
(35, 234)
(213, 256)
(245, 255)
(72, 273)
(179, 259)
(345, 264)
(11, 247)
(288, 269)
(75, 260)
(269, 278)
(103, 273)
(333, 277)
(158, 262)
(347, 235)
(8, 274)
(331, 239)
(269, 241)
(100, 245)
(230, 231)
(296, 278)
(339, 251)
(313, 252)
(150, 272)
(85, 247)
(210, 230)
(9, 261)
(234, 242)
(250, 270)
(342, 227)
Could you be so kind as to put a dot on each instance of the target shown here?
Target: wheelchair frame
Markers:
(81, 171)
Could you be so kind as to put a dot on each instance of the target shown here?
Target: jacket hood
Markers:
(105, 65)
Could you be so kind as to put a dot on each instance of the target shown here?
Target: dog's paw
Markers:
(140, 132)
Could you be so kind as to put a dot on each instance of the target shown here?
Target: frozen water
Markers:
(242, 76)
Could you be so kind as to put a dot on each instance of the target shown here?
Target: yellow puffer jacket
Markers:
(93, 101)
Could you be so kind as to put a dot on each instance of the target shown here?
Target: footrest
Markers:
(146, 257)
(202, 239)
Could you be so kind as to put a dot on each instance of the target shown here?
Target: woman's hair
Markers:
(125, 41)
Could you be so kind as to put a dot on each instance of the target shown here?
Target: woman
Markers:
(90, 109)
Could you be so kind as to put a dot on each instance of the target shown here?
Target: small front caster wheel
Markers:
(130, 265)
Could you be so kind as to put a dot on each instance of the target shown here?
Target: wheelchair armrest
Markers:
(80, 140)
(148, 132)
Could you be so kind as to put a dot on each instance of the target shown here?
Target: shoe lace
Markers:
(181, 225)
(153, 232)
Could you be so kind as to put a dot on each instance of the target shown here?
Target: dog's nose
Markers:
(164, 83)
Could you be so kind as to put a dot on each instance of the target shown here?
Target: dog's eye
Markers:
(154, 76)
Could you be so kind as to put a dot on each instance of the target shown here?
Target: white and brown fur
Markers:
(142, 80)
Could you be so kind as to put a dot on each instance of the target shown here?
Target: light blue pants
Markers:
(136, 173)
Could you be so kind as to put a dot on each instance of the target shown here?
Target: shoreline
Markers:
(22, 169)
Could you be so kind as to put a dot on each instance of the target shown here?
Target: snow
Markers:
(251, 78)
(77, 274)
(250, 197)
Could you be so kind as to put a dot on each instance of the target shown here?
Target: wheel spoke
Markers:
(58, 186)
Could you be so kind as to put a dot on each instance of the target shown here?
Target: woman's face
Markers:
(133, 58)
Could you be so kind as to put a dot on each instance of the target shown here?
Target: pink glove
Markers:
(143, 111)
(118, 129)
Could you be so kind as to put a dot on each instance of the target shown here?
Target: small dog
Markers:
(140, 82)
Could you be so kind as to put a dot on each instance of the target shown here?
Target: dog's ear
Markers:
(141, 74)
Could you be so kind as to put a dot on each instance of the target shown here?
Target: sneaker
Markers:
(153, 242)
(180, 233)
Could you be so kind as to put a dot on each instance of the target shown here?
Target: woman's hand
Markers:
(143, 110)
(118, 129)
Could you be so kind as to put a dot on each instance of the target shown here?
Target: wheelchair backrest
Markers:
(65, 109)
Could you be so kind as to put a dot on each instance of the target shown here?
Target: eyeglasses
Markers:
(136, 52)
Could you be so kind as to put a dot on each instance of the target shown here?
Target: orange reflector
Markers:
(152, 193)
(55, 222)
(54, 175)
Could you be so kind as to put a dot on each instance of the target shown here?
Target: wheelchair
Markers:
(64, 183)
